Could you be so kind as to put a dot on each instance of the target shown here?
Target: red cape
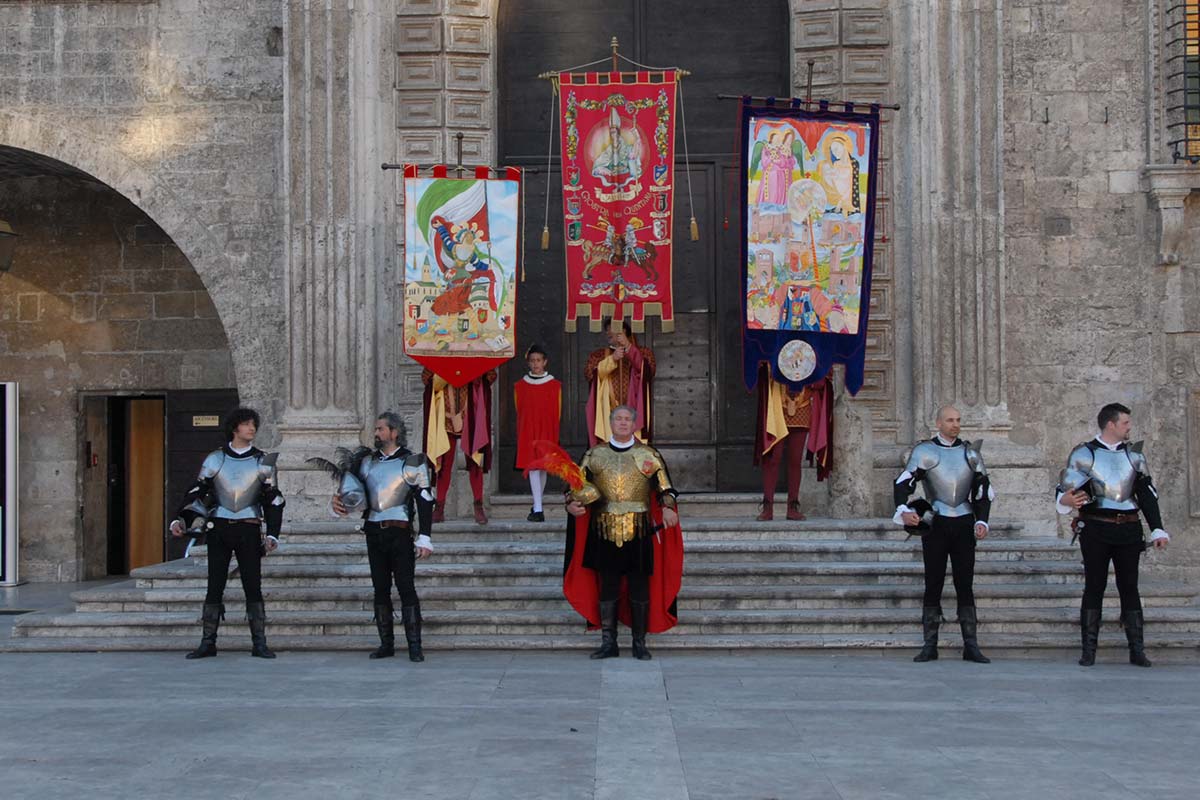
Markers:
(581, 586)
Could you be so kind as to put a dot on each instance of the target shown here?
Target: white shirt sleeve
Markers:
(1059, 507)
(902, 510)
(1159, 533)
(424, 541)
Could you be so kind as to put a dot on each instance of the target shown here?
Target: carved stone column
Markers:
(337, 96)
(951, 223)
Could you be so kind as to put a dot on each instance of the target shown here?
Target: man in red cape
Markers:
(624, 555)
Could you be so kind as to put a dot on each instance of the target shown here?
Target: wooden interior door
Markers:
(145, 445)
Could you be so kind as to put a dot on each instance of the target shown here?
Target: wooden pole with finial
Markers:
(458, 137)
(613, 44)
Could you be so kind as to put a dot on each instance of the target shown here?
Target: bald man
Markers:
(949, 519)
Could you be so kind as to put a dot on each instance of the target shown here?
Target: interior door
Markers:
(145, 482)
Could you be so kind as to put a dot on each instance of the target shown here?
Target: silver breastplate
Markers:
(387, 488)
(237, 484)
(948, 483)
(1113, 477)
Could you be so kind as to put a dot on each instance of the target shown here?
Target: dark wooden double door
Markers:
(703, 415)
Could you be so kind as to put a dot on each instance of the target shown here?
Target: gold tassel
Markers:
(695, 230)
(546, 237)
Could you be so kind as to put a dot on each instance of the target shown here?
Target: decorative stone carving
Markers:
(1169, 186)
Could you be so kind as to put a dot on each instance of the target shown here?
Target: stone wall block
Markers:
(420, 147)
(420, 109)
(472, 73)
(866, 66)
(419, 7)
(865, 28)
(815, 30)
(468, 110)
(419, 35)
(468, 36)
(419, 72)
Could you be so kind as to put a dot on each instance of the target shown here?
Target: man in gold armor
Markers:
(624, 554)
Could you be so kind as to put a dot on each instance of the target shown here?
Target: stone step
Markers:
(1163, 647)
(722, 551)
(695, 529)
(565, 621)
(127, 597)
(185, 572)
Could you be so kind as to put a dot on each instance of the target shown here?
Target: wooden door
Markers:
(145, 482)
(703, 415)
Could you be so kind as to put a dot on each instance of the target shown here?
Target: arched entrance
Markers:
(704, 418)
(122, 360)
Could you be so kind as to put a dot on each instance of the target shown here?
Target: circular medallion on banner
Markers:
(797, 360)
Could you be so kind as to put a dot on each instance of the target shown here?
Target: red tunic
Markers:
(539, 407)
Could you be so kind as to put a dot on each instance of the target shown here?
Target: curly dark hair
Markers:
(237, 417)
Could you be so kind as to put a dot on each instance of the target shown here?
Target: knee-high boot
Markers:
(640, 617)
(1089, 633)
(969, 624)
(931, 620)
(256, 615)
(386, 626)
(608, 631)
(1135, 630)
(411, 617)
(210, 618)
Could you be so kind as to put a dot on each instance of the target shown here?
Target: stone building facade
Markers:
(1037, 254)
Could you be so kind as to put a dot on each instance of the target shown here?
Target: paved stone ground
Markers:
(506, 725)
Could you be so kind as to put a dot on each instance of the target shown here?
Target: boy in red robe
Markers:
(538, 400)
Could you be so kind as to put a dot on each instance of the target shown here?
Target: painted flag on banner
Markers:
(808, 194)
(461, 262)
(618, 174)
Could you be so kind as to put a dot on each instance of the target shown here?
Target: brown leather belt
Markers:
(1114, 519)
(392, 523)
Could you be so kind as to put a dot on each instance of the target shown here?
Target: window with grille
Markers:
(1183, 80)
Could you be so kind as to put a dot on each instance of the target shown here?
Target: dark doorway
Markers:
(703, 416)
(194, 429)
(136, 445)
(140, 453)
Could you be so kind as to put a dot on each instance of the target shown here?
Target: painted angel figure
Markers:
(619, 162)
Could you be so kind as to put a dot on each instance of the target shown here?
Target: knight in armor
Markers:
(391, 487)
(624, 556)
(1107, 482)
(950, 518)
(235, 496)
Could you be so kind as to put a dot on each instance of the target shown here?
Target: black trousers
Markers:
(1097, 553)
(952, 537)
(224, 539)
(392, 556)
(610, 587)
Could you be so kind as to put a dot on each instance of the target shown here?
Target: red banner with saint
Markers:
(618, 160)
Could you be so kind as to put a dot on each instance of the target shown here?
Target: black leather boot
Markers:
(1089, 633)
(969, 624)
(256, 615)
(931, 619)
(411, 617)
(1135, 630)
(387, 631)
(640, 615)
(210, 619)
(608, 631)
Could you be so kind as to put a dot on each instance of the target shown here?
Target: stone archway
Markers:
(101, 309)
(214, 260)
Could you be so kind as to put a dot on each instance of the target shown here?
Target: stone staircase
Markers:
(819, 585)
